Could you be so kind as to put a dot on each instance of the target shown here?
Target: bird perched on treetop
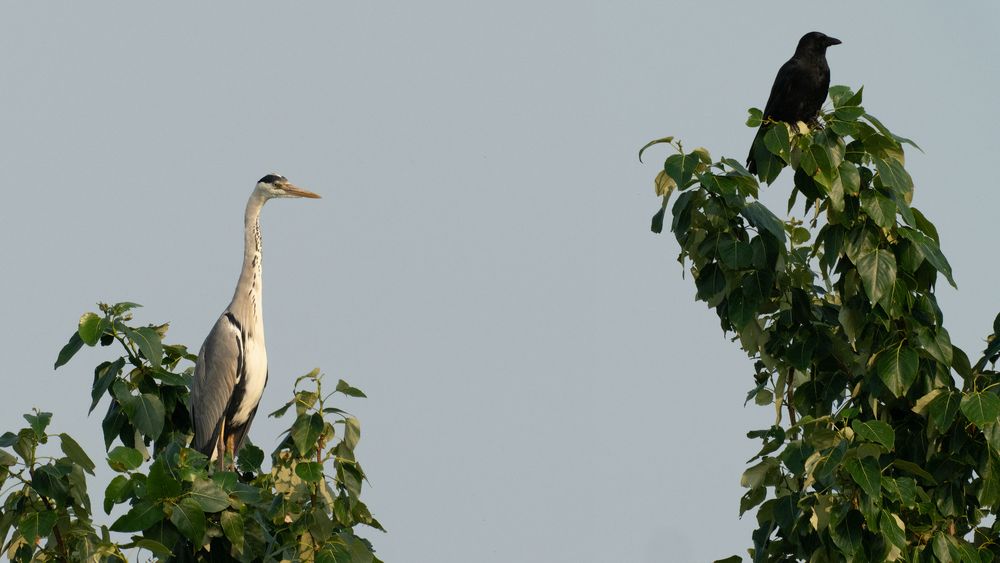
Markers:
(231, 370)
(799, 88)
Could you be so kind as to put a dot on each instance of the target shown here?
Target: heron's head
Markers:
(276, 185)
(816, 42)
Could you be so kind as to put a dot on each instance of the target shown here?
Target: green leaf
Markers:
(762, 218)
(893, 175)
(148, 342)
(752, 498)
(124, 459)
(140, 517)
(756, 476)
(104, 376)
(146, 412)
(161, 483)
(992, 434)
(189, 519)
(866, 474)
(209, 496)
(877, 269)
(892, 529)
(776, 141)
(711, 283)
(936, 344)
(69, 350)
(656, 223)
(847, 535)
(680, 168)
(170, 379)
(123, 307)
(943, 409)
(309, 471)
(842, 95)
(914, 469)
(346, 389)
(90, 328)
(880, 208)
(849, 113)
(232, 527)
(755, 117)
(654, 142)
(352, 432)
(281, 411)
(897, 368)
(250, 458)
(735, 254)
(305, 432)
(989, 491)
(75, 453)
(885, 131)
(154, 547)
(117, 491)
(930, 250)
(37, 525)
(39, 423)
(875, 431)
(981, 408)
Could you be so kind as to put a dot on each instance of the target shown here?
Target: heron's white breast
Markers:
(256, 370)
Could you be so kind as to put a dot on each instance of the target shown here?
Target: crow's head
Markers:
(815, 42)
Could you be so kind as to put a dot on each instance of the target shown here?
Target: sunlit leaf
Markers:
(875, 431)
(124, 459)
(897, 368)
(981, 408)
(149, 343)
(877, 269)
(345, 388)
(90, 328)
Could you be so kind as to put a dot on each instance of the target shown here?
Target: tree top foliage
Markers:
(178, 506)
(886, 439)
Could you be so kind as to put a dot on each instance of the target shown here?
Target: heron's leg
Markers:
(231, 448)
(220, 447)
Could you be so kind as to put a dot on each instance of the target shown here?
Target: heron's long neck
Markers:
(249, 289)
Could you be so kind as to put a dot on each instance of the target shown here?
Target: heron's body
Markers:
(231, 370)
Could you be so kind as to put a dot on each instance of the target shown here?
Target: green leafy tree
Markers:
(886, 440)
(178, 507)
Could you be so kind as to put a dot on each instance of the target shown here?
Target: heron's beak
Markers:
(294, 191)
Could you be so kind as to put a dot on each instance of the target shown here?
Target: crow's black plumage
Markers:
(799, 88)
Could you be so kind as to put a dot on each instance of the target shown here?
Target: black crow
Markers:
(799, 88)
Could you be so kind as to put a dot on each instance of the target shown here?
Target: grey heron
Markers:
(231, 370)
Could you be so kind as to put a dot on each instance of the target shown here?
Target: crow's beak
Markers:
(294, 191)
(832, 41)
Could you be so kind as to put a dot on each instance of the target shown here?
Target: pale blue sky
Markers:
(542, 385)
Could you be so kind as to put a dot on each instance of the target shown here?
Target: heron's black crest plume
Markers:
(272, 179)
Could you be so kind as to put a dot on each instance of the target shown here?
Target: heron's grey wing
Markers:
(215, 375)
